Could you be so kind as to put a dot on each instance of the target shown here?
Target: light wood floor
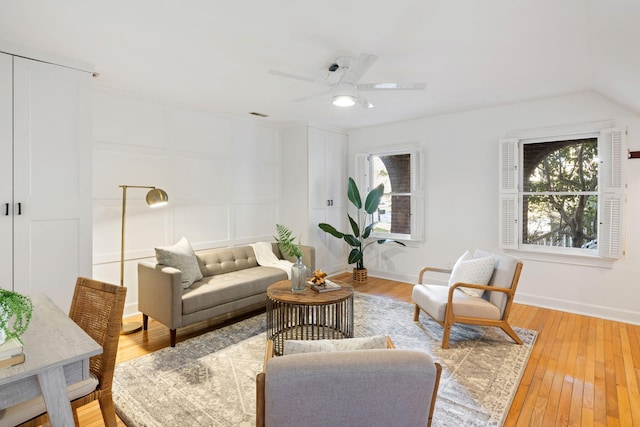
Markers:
(583, 371)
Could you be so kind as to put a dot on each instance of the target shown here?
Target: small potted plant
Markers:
(15, 314)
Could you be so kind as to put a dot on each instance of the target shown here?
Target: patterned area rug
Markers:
(210, 380)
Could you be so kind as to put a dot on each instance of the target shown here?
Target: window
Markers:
(400, 210)
(563, 194)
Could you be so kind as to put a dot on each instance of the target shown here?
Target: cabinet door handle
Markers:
(19, 208)
(6, 209)
(328, 202)
(331, 202)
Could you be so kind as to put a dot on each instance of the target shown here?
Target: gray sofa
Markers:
(233, 284)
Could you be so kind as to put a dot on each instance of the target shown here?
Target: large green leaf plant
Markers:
(361, 230)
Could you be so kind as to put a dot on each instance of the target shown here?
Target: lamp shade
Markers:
(157, 197)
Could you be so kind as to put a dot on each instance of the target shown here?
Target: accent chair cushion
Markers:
(502, 278)
(469, 269)
(182, 257)
(433, 299)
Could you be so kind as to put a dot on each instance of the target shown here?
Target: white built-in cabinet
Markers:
(45, 177)
(316, 157)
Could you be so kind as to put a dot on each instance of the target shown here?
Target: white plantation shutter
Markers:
(508, 212)
(508, 178)
(611, 193)
(610, 146)
(362, 172)
(508, 161)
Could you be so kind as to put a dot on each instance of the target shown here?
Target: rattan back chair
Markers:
(97, 308)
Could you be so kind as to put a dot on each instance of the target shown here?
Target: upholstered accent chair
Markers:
(487, 304)
(380, 386)
(97, 308)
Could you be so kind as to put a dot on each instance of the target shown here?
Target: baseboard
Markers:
(130, 310)
(618, 315)
(410, 279)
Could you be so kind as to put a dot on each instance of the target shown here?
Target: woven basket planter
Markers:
(360, 275)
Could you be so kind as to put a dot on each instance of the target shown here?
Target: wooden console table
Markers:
(57, 353)
(307, 315)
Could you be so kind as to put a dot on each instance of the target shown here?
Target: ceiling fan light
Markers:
(344, 95)
(344, 100)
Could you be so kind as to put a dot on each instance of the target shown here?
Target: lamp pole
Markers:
(155, 197)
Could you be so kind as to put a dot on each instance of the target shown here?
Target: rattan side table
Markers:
(307, 315)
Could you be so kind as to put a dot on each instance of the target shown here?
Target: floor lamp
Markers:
(156, 197)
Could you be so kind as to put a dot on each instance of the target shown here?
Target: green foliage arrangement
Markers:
(361, 230)
(286, 241)
(15, 313)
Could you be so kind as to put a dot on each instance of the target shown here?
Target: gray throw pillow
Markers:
(181, 256)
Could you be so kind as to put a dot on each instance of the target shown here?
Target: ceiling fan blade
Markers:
(364, 102)
(391, 86)
(362, 63)
(315, 95)
(291, 76)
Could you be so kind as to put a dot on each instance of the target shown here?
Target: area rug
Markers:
(209, 380)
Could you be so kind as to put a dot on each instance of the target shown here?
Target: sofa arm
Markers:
(160, 293)
(309, 256)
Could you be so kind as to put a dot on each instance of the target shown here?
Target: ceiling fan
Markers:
(342, 77)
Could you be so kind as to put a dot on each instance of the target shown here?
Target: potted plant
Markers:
(287, 245)
(15, 314)
(361, 230)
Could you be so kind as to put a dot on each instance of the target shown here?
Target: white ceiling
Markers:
(215, 54)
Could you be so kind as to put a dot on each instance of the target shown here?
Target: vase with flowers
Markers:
(287, 245)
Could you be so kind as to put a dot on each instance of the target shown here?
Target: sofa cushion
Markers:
(502, 278)
(222, 288)
(181, 256)
(226, 260)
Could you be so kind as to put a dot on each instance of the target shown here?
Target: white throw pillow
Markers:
(326, 345)
(181, 256)
(472, 270)
(298, 347)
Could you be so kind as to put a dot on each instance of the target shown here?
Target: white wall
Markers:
(221, 174)
(461, 192)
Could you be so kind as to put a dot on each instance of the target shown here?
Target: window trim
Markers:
(611, 188)
(364, 176)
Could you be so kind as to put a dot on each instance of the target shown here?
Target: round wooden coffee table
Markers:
(308, 315)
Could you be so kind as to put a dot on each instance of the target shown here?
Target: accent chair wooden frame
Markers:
(450, 317)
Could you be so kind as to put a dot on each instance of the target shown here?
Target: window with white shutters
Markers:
(563, 194)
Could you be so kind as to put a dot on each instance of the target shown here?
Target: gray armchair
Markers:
(449, 305)
(376, 387)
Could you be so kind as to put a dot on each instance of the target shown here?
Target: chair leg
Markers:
(145, 321)
(445, 334)
(108, 410)
(416, 313)
(509, 331)
(75, 416)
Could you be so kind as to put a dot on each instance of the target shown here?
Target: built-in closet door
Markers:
(52, 178)
(327, 195)
(6, 172)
